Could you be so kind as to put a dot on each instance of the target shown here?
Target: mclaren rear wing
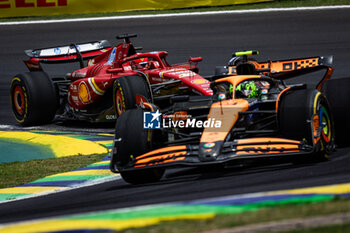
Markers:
(286, 69)
(65, 53)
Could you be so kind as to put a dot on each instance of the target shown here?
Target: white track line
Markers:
(178, 15)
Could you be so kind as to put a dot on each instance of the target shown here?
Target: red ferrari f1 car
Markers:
(253, 114)
(114, 80)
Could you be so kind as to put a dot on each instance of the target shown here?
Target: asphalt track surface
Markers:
(277, 35)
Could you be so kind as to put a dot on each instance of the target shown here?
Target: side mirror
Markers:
(195, 59)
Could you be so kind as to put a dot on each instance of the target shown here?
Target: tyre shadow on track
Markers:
(188, 175)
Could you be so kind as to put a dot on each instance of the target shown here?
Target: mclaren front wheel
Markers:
(131, 141)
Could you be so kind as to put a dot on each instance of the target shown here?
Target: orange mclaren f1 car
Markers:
(252, 115)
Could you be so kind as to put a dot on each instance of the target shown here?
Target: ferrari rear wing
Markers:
(65, 53)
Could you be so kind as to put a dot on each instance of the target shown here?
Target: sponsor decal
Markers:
(182, 73)
(199, 81)
(84, 93)
(177, 72)
(73, 88)
(209, 145)
(156, 79)
(111, 57)
(222, 96)
(295, 65)
(57, 51)
(127, 68)
(78, 75)
(111, 117)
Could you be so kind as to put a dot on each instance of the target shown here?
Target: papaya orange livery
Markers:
(252, 114)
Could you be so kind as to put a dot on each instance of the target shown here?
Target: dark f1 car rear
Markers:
(252, 115)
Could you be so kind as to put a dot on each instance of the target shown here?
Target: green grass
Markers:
(274, 4)
(264, 215)
(18, 173)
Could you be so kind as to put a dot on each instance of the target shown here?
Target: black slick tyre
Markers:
(337, 93)
(132, 140)
(305, 115)
(33, 98)
(125, 91)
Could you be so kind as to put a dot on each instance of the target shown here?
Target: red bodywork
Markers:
(105, 65)
(90, 83)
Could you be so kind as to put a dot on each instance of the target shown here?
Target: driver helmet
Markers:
(248, 89)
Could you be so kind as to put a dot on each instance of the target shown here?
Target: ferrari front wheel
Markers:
(126, 89)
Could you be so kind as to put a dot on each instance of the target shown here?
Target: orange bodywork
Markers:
(285, 66)
(267, 146)
(282, 66)
(227, 112)
(289, 65)
(326, 78)
(162, 158)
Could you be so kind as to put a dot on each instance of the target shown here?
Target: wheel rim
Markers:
(119, 103)
(325, 124)
(19, 100)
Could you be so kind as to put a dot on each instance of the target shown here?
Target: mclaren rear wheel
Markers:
(305, 115)
(33, 98)
(337, 92)
(132, 140)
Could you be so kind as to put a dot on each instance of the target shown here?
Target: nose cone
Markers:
(209, 151)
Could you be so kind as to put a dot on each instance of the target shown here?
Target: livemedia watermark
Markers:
(155, 120)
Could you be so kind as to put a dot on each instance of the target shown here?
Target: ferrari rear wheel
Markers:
(33, 98)
(125, 91)
(301, 114)
(132, 140)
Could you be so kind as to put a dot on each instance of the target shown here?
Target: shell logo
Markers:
(84, 93)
